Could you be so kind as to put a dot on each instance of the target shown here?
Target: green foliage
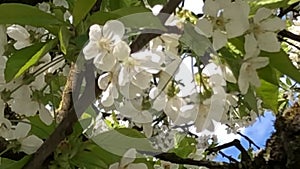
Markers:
(23, 59)
(156, 2)
(196, 42)
(39, 128)
(268, 92)
(184, 145)
(111, 5)
(64, 36)
(119, 140)
(81, 9)
(282, 63)
(14, 13)
(10, 164)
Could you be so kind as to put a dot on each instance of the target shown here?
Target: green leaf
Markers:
(251, 101)
(269, 74)
(155, 2)
(293, 1)
(149, 21)
(13, 13)
(184, 145)
(64, 37)
(101, 17)
(130, 10)
(110, 5)
(10, 164)
(194, 40)
(39, 128)
(102, 154)
(130, 16)
(282, 63)
(268, 92)
(86, 159)
(23, 59)
(118, 141)
(81, 9)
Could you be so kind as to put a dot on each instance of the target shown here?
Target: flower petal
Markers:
(104, 80)
(95, 33)
(251, 46)
(128, 157)
(18, 33)
(211, 8)
(261, 14)
(268, 42)
(121, 50)
(30, 144)
(91, 50)
(137, 166)
(204, 27)
(272, 24)
(219, 39)
(243, 82)
(114, 166)
(45, 115)
(259, 62)
(254, 79)
(114, 30)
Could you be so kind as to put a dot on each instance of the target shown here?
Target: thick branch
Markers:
(290, 35)
(69, 109)
(173, 158)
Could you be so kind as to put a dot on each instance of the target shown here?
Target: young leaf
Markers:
(81, 9)
(282, 63)
(119, 140)
(14, 13)
(15, 164)
(64, 37)
(268, 92)
(194, 40)
(23, 59)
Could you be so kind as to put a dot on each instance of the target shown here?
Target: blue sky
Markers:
(259, 132)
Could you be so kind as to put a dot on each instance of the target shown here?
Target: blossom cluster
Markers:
(20, 96)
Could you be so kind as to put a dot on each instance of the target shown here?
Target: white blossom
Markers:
(62, 3)
(223, 19)
(20, 35)
(248, 74)
(29, 144)
(263, 32)
(101, 44)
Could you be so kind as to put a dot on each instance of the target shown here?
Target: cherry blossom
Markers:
(264, 30)
(248, 74)
(101, 44)
(20, 35)
(223, 19)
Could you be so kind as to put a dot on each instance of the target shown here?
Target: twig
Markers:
(288, 9)
(290, 35)
(236, 143)
(249, 140)
(173, 158)
(69, 109)
(228, 157)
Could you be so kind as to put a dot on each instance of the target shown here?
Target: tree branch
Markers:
(69, 109)
(290, 35)
(173, 158)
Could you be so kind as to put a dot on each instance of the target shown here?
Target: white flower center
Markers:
(104, 44)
